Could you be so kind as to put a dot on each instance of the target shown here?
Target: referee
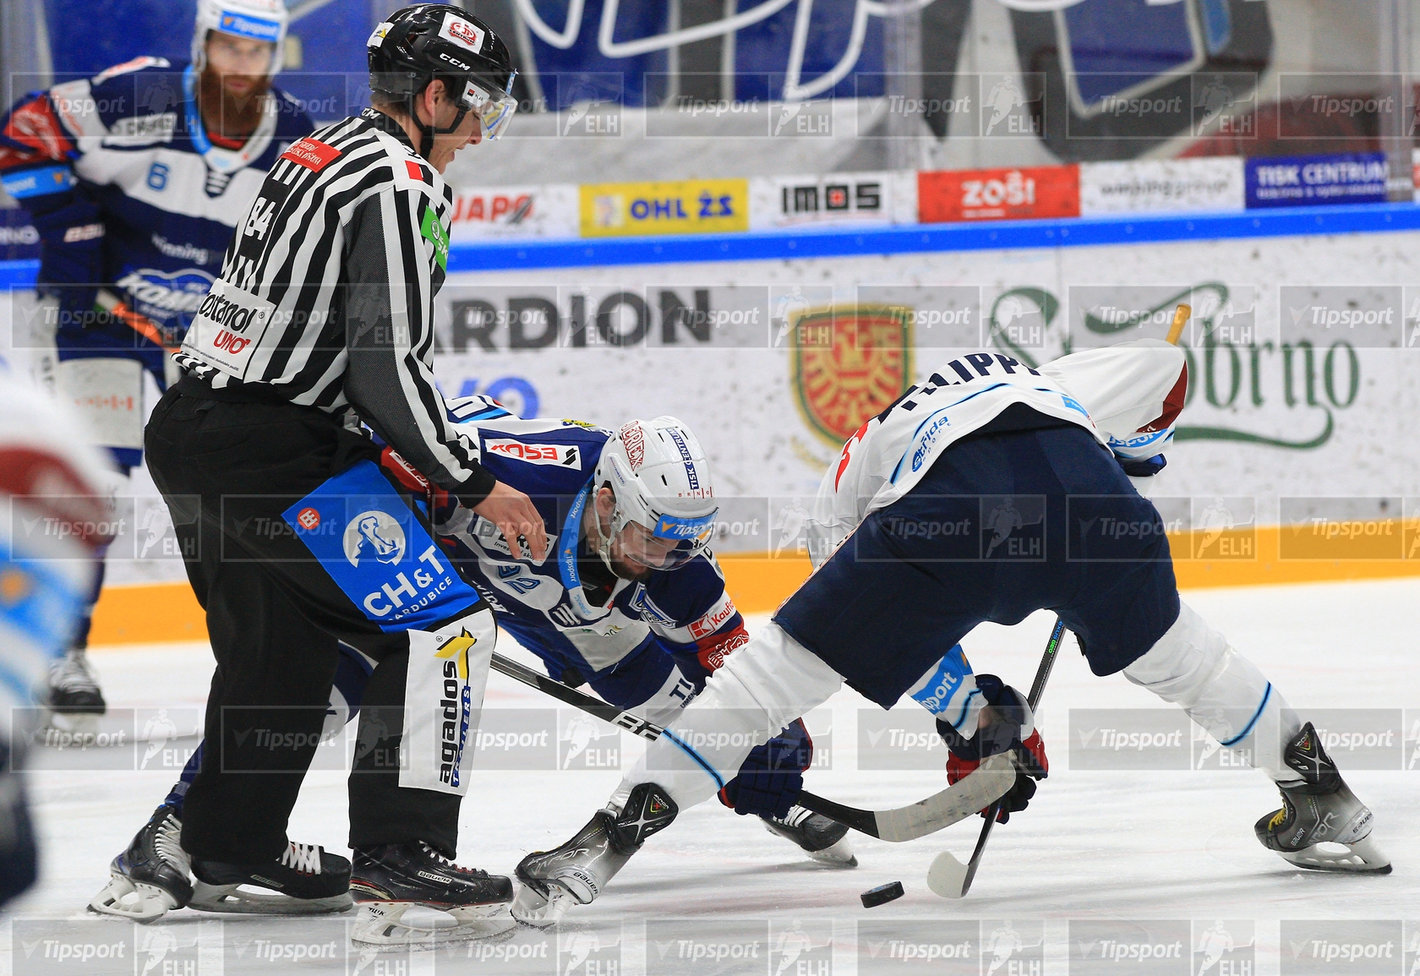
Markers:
(324, 311)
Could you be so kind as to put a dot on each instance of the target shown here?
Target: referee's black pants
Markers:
(228, 470)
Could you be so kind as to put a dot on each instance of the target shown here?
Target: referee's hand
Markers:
(516, 518)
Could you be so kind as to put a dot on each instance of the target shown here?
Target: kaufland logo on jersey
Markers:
(243, 25)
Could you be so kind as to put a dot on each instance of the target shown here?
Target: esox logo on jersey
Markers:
(382, 558)
(848, 363)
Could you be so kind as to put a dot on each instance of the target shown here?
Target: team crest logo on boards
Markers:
(847, 363)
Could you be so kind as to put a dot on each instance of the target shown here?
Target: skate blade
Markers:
(542, 909)
(839, 854)
(239, 900)
(383, 924)
(1358, 857)
(136, 901)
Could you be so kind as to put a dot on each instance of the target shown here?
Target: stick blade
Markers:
(947, 876)
(983, 787)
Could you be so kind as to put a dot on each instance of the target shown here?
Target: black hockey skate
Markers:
(576, 872)
(150, 878)
(823, 839)
(390, 879)
(74, 698)
(304, 880)
(1321, 825)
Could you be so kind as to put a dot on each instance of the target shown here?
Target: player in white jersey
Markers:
(54, 520)
(892, 590)
(135, 179)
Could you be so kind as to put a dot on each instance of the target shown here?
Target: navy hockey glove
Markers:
(1012, 730)
(772, 775)
(1142, 467)
(71, 232)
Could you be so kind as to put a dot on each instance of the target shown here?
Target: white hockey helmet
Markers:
(257, 20)
(660, 478)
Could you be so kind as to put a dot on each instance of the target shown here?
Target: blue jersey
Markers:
(131, 141)
(622, 636)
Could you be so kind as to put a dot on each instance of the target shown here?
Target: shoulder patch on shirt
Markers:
(311, 153)
(130, 66)
(435, 234)
(416, 172)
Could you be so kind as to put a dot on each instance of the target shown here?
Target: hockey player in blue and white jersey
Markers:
(135, 180)
(894, 591)
(629, 600)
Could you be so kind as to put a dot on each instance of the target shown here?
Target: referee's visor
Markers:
(495, 108)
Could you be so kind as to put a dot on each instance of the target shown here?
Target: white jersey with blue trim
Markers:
(1127, 395)
(686, 610)
(131, 138)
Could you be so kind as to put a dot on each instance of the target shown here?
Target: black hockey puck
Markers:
(881, 895)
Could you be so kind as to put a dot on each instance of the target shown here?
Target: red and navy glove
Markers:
(1009, 726)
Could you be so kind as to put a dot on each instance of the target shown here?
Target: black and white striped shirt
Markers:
(326, 297)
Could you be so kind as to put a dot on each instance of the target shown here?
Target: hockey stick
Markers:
(984, 786)
(115, 306)
(947, 876)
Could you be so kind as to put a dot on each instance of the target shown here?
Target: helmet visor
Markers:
(494, 108)
(672, 542)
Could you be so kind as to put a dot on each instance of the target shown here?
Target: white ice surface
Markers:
(1099, 854)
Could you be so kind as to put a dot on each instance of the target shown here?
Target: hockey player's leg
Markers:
(760, 689)
(417, 721)
(771, 769)
(1194, 666)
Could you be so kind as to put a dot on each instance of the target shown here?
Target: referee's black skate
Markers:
(825, 840)
(305, 880)
(390, 879)
(150, 878)
(576, 872)
(1321, 825)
